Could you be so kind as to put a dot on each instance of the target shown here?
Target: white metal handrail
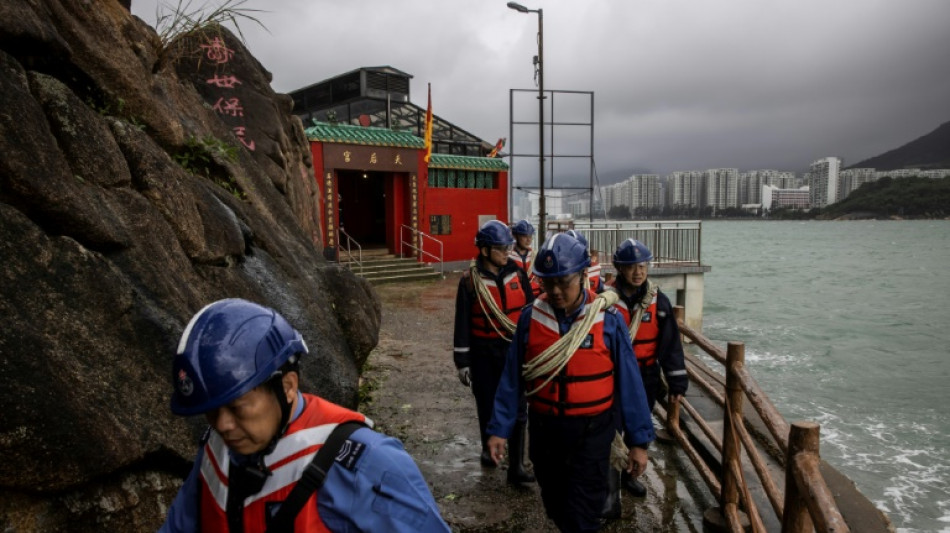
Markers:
(672, 242)
(349, 250)
(420, 236)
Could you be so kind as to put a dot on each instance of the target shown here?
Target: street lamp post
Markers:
(541, 210)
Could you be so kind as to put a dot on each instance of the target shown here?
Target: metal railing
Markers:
(807, 503)
(348, 250)
(419, 237)
(672, 242)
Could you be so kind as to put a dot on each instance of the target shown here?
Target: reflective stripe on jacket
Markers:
(294, 451)
(585, 386)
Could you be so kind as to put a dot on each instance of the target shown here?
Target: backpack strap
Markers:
(312, 478)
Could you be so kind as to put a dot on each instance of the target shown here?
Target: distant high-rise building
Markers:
(823, 181)
(850, 179)
(637, 191)
(776, 198)
(721, 188)
(684, 189)
(751, 182)
(644, 192)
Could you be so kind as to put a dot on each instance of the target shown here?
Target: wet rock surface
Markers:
(136, 186)
(411, 392)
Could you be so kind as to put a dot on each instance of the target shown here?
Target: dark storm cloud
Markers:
(679, 85)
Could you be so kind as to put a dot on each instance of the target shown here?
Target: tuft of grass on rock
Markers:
(183, 18)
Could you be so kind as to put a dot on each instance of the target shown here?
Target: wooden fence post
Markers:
(731, 451)
(802, 438)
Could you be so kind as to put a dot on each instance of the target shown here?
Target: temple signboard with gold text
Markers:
(370, 158)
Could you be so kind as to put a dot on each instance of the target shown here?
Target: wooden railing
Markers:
(807, 502)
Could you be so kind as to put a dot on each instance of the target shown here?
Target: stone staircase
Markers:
(380, 266)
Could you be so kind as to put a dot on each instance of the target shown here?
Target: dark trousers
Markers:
(652, 384)
(488, 362)
(571, 457)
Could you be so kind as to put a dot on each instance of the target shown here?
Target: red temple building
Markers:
(367, 142)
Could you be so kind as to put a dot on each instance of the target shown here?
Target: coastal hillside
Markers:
(929, 151)
(141, 179)
(894, 198)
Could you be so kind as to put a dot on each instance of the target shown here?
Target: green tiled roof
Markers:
(466, 162)
(349, 134)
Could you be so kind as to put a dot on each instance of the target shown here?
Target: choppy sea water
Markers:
(848, 324)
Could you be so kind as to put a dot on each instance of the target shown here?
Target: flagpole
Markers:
(428, 130)
(541, 208)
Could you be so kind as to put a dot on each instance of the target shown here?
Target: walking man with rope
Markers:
(654, 335)
(489, 301)
(573, 358)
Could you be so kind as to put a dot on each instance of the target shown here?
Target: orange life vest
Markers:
(293, 453)
(648, 334)
(593, 273)
(523, 264)
(526, 266)
(483, 325)
(585, 386)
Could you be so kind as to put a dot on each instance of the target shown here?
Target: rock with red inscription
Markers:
(135, 188)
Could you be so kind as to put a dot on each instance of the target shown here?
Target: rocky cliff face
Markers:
(137, 184)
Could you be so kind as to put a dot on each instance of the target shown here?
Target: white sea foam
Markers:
(850, 337)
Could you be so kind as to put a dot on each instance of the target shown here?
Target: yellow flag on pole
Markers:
(428, 134)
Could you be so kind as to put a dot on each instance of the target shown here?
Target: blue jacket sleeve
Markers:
(510, 387)
(669, 348)
(182, 516)
(637, 422)
(378, 487)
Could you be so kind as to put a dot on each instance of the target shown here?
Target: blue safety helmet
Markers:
(560, 255)
(632, 251)
(494, 233)
(522, 227)
(228, 348)
(578, 235)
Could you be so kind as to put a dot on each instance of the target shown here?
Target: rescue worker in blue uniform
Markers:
(238, 364)
(522, 254)
(572, 356)
(487, 305)
(648, 314)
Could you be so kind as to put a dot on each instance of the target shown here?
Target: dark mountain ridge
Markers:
(929, 151)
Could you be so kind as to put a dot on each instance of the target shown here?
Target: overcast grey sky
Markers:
(678, 84)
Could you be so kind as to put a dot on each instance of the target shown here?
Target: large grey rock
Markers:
(108, 246)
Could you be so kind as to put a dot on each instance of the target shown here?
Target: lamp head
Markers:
(517, 7)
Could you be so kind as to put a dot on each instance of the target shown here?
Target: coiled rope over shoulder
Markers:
(490, 308)
(551, 361)
(634, 325)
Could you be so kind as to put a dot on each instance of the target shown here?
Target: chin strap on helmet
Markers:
(276, 383)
